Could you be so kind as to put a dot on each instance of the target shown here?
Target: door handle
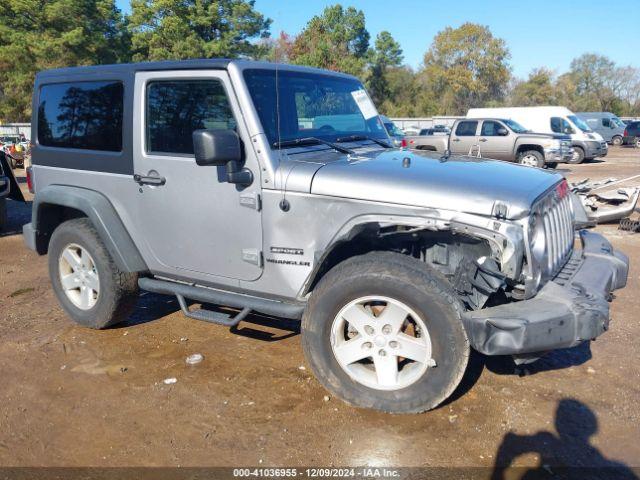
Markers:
(146, 180)
(455, 140)
(483, 139)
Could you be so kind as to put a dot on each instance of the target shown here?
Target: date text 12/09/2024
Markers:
(364, 472)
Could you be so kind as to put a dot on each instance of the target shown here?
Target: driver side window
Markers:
(560, 125)
(490, 128)
(176, 108)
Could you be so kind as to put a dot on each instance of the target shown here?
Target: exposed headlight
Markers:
(537, 238)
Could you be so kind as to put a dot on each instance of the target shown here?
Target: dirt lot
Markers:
(76, 397)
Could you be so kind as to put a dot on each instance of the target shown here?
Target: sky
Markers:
(547, 33)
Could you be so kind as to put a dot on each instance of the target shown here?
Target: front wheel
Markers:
(88, 284)
(578, 156)
(383, 331)
(531, 158)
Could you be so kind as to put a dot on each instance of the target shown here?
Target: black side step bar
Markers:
(212, 317)
(220, 297)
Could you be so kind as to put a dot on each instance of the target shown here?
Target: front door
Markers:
(493, 145)
(193, 223)
(463, 140)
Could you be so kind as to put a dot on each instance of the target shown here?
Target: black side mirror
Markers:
(216, 147)
(503, 132)
(220, 148)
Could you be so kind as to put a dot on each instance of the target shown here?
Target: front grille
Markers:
(557, 216)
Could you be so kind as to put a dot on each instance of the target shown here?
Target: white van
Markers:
(586, 143)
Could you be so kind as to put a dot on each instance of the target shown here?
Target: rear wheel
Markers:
(383, 331)
(616, 141)
(88, 284)
(578, 155)
(531, 158)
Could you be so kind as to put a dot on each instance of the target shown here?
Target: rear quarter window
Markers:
(81, 115)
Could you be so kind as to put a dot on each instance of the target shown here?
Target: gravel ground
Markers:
(76, 397)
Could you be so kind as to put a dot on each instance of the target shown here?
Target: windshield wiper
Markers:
(299, 142)
(355, 138)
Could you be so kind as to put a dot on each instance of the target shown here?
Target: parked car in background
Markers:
(434, 131)
(586, 143)
(9, 188)
(631, 134)
(441, 129)
(397, 136)
(14, 148)
(500, 139)
(606, 124)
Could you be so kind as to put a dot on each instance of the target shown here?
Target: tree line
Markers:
(463, 67)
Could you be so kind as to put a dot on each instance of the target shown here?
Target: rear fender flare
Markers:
(102, 214)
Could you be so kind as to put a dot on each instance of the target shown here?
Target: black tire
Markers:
(412, 282)
(3, 213)
(578, 156)
(118, 289)
(539, 158)
(616, 141)
(551, 165)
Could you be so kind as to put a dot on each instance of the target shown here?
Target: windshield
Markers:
(515, 126)
(617, 122)
(579, 123)
(312, 105)
(393, 130)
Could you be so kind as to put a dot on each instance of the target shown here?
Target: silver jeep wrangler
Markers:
(275, 189)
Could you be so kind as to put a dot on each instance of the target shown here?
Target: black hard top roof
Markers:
(127, 68)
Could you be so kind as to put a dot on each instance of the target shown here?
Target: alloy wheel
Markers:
(381, 343)
(79, 276)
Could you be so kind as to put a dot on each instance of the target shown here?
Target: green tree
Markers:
(42, 34)
(336, 40)
(602, 85)
(181, 29)
(538, 89)
(593, 76)
(466, 67)
(275, 49)
(386, 54)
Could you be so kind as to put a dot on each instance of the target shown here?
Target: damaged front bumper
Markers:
(568, 310)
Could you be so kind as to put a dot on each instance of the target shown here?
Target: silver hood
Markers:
(463, 184)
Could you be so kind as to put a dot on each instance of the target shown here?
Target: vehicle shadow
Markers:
(554, 360)
(504, 365)
(153, 306)
(566, 454)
